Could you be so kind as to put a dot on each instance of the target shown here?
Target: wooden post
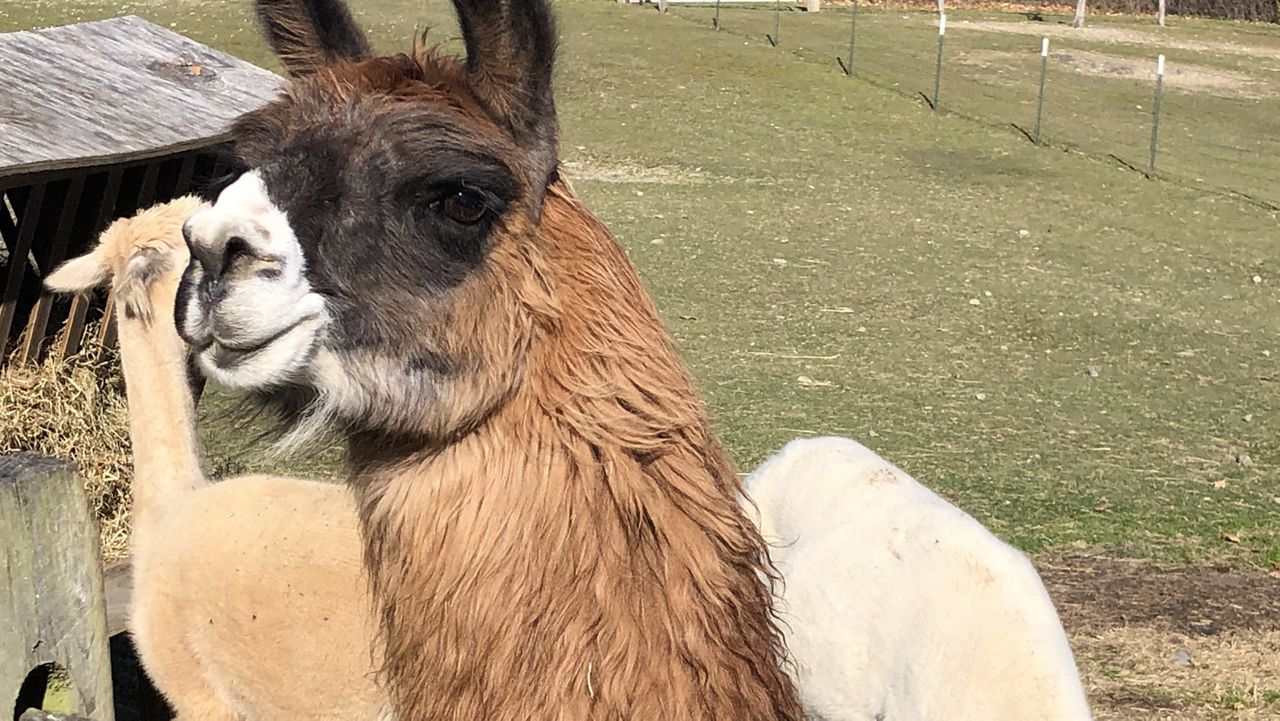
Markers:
(812, 6)
(51, 598)
(1160, 12)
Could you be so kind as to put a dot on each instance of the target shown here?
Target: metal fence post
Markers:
(853, 34)
(937, 72)
(777, 23)
(1155, 113)
(1044, 68)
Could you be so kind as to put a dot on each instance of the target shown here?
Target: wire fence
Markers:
(1210, 118)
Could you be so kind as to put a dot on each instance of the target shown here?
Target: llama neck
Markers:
(166, 456)
(539, 569)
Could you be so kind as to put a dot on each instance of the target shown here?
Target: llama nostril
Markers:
(235, 249)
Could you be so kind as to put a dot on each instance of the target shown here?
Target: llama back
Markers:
(898, 603)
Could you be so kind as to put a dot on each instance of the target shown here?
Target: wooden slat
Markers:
(73, 331)
(8, 229)
(108, 92)
(107, 331)
(147, 191)
(18, 263)
(185, 173)
(38, 321)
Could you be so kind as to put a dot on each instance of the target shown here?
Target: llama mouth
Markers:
(265, 362)
(245, 348)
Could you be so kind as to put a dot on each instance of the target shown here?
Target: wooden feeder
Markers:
(98, 120)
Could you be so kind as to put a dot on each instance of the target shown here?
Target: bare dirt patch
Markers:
(1099, 592)
(1178, 77)
(1170, 644)
(1116, 35)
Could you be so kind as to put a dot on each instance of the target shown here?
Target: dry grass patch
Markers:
(75, 410)
(1143, 673)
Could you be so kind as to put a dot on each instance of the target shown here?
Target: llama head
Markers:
(374, 262)
(135, 254)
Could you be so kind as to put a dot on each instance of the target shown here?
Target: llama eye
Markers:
(464, 206)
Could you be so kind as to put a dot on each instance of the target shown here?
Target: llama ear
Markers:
(86, 271)
(511, 47)
(309, 34)
(135, 281)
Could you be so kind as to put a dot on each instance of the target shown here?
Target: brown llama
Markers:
(551, 528)
(249, 602)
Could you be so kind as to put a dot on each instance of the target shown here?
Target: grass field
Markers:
(1082, 358)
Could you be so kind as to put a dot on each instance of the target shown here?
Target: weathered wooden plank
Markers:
(38, 321)
(18, 263)
(109, 92)
(51, 583)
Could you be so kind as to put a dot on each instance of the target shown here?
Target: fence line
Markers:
(721, 23)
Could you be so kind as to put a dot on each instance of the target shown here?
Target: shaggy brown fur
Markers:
(581, 554)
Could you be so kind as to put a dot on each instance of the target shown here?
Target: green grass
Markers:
(713, 157)
(1225, 136)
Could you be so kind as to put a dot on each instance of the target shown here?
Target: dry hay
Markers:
(75, 410)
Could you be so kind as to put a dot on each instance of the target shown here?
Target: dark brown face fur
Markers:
(410, 187)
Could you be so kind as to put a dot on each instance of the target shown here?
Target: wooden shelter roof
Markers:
(116, 90)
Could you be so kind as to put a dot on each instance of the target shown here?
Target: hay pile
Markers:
(75, 410)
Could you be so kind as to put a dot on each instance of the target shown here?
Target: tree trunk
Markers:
(1078, 21)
